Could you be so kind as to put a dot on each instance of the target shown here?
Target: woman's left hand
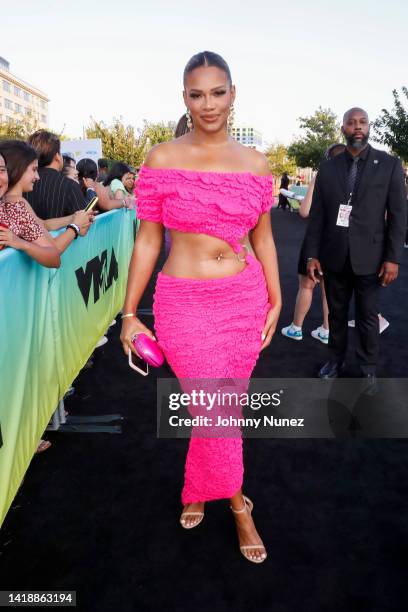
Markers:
(270, 325)
(8, 238)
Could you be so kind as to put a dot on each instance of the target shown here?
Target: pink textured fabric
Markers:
(222, 204)
(212, 329)
(209, 328)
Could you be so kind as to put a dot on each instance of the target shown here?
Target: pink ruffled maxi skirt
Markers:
(211, 329)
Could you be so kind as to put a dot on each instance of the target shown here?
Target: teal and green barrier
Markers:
(50, 321)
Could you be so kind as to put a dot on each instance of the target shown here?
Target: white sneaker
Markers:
(321, 334)
(291, 332)
(101, 342)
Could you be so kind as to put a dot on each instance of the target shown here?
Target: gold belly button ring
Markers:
(220, 256)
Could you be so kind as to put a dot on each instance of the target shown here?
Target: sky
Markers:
(103, 59)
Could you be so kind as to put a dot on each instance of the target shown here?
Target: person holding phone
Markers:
(18, 227)
(87, 175)
(25, 231)
(217, 299)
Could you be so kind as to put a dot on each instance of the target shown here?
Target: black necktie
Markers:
(352, 175)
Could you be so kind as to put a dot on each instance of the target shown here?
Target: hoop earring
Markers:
(231, 118)
(189, 120)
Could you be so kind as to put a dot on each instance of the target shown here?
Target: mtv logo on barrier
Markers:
(97, 272)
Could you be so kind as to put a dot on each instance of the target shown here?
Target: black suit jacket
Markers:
(377, 223)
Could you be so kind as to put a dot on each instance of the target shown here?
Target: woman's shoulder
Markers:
(18, 204)
(162, 155)
(20, 214)
(26, 204)
(257, 162)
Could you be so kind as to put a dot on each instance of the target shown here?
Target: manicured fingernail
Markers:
(263, 337)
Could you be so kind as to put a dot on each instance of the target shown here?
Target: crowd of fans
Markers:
(43, 190)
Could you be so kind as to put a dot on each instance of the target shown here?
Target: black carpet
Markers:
(98, 513)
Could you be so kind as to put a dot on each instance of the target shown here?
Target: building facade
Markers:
(248, 136)
(18, 98)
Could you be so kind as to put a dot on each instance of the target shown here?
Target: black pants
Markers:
(282, 202)
(339, 290)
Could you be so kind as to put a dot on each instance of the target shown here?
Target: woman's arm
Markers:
(58, 222)
(42, 250)
(120, 194)
(81, 218)
(304, 207)
(145, 253)
(264, 248)
(105, 201)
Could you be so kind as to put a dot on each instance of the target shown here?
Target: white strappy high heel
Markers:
(199, 515)
(248, 507)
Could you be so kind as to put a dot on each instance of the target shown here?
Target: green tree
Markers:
(280, 161)
(119, 141)
(155, 133)
(19, 129)
(123, 143)
(320, 131)
(391, 127)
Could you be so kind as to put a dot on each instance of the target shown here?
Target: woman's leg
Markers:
(210, 330)
(247, 533)
(303, 300)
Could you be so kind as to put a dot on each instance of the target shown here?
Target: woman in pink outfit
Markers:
(217, 299)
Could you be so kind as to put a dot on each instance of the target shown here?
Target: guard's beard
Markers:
(357, 144)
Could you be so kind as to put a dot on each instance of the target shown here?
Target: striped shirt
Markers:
(55, 195)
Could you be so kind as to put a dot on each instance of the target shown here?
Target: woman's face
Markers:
(3, 177)
(71, 171)
(128, 181)
(208, 96)
(29, 177)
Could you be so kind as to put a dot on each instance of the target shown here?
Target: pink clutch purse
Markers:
(148, 350)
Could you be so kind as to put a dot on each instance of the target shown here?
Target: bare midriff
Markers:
(203, 256)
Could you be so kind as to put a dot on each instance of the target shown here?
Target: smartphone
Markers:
(137, 363)
(4, 226)
(91, 204)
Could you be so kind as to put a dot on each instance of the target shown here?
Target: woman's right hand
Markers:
(84, 219)
(10, 239)
(130, 327)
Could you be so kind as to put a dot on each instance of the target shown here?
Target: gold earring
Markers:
(231, 117)
(189, 120)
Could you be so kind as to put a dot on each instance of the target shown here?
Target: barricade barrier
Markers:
(50, 321)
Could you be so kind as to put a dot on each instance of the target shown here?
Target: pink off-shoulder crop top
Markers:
(225, 205)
